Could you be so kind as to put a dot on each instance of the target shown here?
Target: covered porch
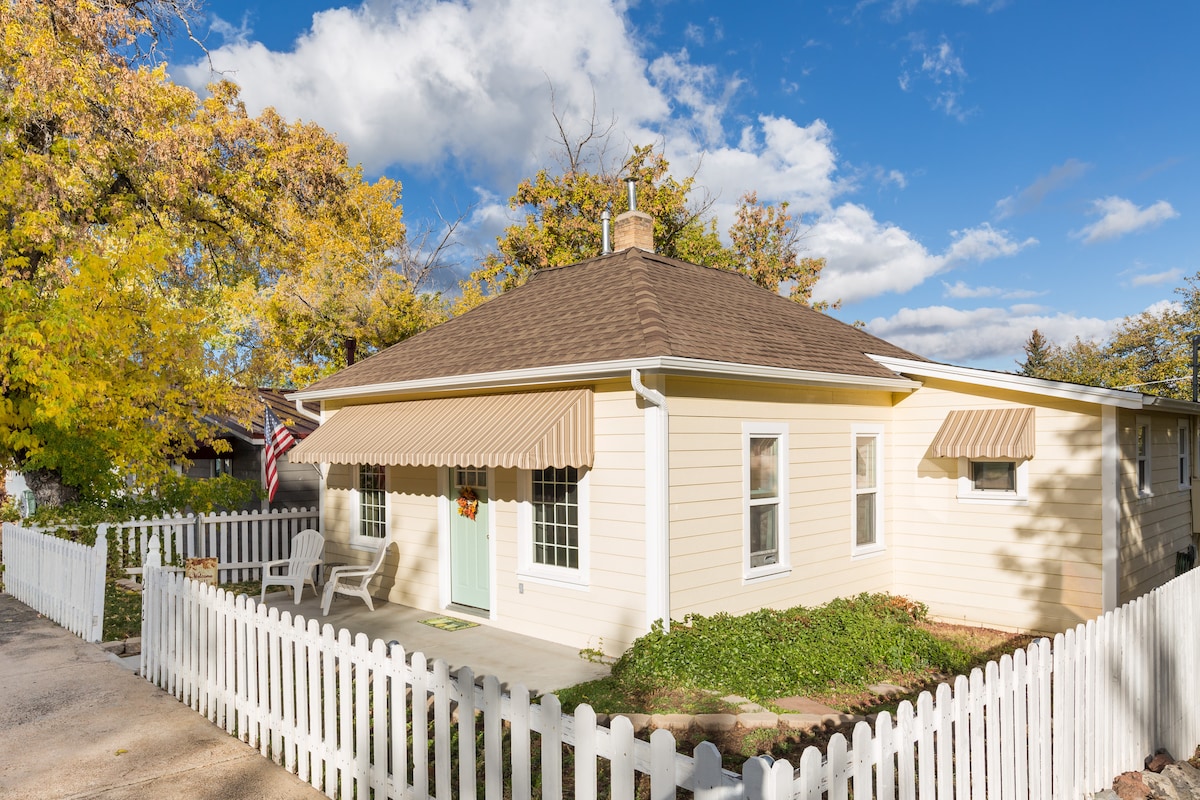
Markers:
(541, 666)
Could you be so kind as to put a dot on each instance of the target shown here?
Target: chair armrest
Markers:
(347, 572)
(266, 565)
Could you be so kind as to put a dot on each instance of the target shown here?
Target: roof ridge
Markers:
(649, 312)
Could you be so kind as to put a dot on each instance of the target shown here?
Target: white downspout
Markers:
(658, 528)
(1110, 511)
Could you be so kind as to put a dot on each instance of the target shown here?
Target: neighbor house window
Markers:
(552, 524)
(1143, 456)
(991, 480)
(868, 491)
(372, 501)
(765, 503)
(1185, 455)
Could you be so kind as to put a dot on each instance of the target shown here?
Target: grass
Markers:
(123, 608)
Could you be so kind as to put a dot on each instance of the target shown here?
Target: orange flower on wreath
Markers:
(468, 503)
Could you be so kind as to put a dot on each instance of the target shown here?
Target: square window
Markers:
(994, 476)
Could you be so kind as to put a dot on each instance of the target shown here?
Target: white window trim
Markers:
(1148, 489)
(1184, 446)
(878, 546)
(968, 494)
(527, 569)
(357, 540)
(784, 565)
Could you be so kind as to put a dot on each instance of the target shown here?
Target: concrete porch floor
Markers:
(541, 666)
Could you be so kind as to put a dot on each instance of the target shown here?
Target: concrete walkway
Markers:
(76, 724)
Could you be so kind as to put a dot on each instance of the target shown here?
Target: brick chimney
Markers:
(633, 228)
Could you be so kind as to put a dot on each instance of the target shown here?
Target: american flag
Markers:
(276, 441)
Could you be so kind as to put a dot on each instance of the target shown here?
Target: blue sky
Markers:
(970, 170)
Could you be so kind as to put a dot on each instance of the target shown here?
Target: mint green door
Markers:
(470, 568)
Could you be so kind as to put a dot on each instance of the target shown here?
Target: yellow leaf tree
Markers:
(146, 233)
(561, 225)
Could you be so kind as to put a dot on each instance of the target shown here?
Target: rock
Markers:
(1178, 781)
(676, 723)
(133, 646)
(713, 723)
(640, 722)
(758, 719)
(1158, 761)
(1130, 786)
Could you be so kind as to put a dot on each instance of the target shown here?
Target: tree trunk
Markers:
(48, 489)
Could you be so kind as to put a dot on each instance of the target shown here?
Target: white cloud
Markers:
(941, 70)
(1119, 216)
(989, 336)
(1157, 278)
(983, 243)
(960, 290)
(866, 258)
(1032, 195)
(421, 83)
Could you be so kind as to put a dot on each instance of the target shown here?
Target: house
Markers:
(299, 484)
(634, 438)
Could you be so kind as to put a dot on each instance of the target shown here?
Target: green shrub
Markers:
(770, 653)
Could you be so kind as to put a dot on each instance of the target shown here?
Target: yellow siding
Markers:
(610, 612)
(706, 495)
(1034, 566)
(1157, 526)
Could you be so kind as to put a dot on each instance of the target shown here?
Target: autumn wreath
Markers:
(468, 503)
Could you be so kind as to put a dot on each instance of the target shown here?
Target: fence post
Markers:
(99, 578)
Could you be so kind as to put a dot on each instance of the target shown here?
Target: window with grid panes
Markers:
(372, 501)
(555, 501)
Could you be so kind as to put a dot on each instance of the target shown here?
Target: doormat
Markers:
(448, 623)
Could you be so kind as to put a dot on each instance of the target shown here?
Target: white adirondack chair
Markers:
(353, 580)
(308, 551)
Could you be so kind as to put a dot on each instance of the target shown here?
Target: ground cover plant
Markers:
(830, 654)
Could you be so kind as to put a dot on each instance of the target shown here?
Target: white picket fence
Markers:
(60, 579)
(1049, 722)
(65, 580)
(240, 541)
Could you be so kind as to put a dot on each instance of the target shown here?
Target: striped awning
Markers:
(986, 433)
(532, 430)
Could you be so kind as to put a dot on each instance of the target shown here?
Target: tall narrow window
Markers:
(1185, 455)
(1143, 456)
(372, 501)
(867, 492)
(556, 517)
(765, 515)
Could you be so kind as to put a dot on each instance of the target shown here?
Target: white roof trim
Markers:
(1016, 383)
(573, 373)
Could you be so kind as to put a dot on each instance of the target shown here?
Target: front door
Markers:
(470, 570)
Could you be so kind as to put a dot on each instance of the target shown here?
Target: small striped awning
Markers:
(986, 433)
(532, 430)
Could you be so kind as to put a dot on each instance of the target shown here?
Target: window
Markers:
(993, 476)
(555, 503)
(553, 526)
(765, 512)
(868, 492)
(1144, 480)
(372, 501)
(999, 480)
(1185, 460)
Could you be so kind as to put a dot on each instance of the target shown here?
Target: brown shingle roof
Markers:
(620, 306)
